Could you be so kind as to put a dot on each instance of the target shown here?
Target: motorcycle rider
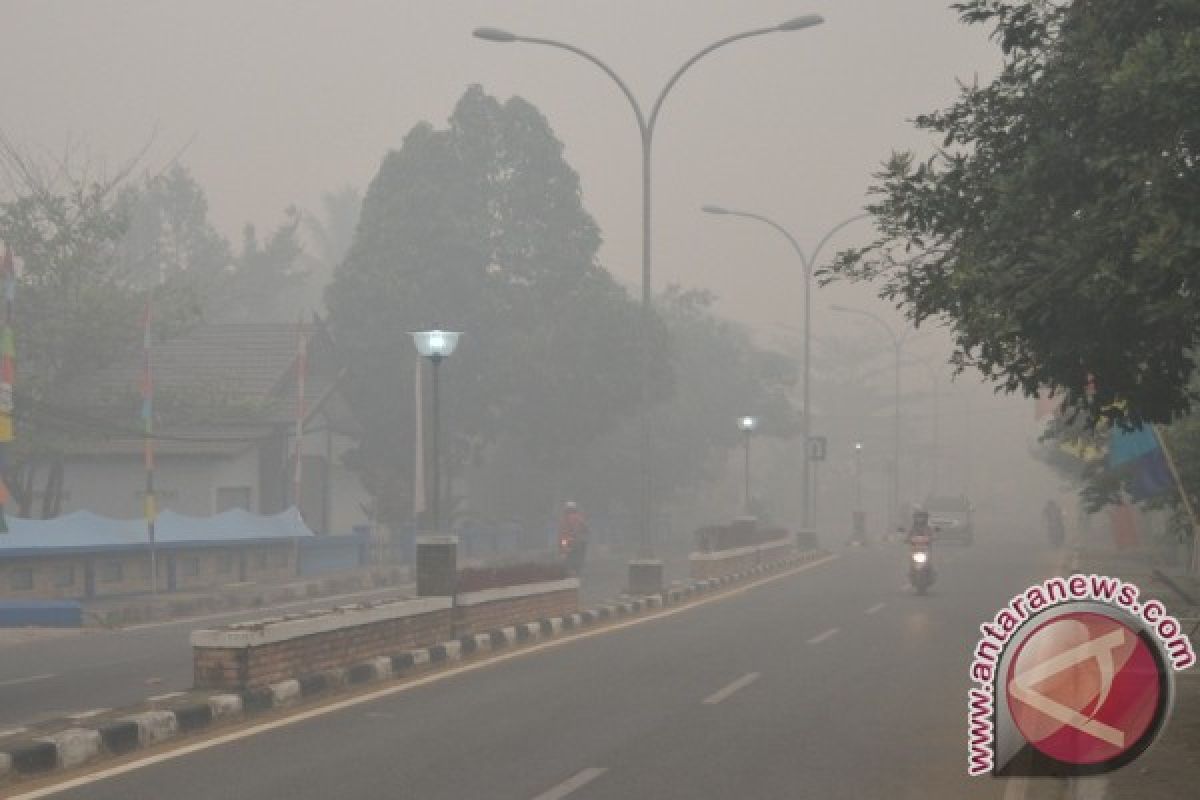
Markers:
(920, 527)
(573, 536)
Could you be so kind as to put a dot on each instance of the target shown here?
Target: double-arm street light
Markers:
(808, 262)
(898, 340)
(646, 124)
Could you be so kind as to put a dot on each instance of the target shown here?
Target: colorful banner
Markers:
(1138, 450)
(8, 360)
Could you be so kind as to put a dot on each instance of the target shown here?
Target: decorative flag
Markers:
(301, 409)
(8, 358)
(419, 500)
(1126, 535)
(1139, 450)
(149, 505)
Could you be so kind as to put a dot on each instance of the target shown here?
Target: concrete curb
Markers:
(77, 745)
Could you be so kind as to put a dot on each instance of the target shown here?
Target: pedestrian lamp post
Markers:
(898, 340)
(436, 346)
(858, 501)
(747, 425)
(858, 518)
(807, 262)
(646, 567)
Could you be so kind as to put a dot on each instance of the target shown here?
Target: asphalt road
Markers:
(101, 669)
(836, 682)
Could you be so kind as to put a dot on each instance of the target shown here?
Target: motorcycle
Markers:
(920, 564)
(572, 552)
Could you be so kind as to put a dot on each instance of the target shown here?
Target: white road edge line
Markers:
(407, 686)
(875, 608)
(30, 679)
(740, 683)
(820, 637)
(571, 784)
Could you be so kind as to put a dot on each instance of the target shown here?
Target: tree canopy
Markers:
(480, 227)
(1058, 226)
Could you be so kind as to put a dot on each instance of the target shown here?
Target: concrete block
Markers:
(154, 726)
(361, 673)
(193, 717)
(5, 764)
(284, 693)
(420, 657)
(34, 757)
(483, 641)
(453, 651)
(383, 667)
(225, 706)
(75, 746)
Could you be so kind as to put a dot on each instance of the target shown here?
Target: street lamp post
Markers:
(858, 500)
(898, 340)
(747, 425)
(807, 261)
(436, 346)
(646, 129)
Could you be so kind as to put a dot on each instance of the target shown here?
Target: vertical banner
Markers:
(301, 411)
(419, 499)
(149, 502)
(8, 357)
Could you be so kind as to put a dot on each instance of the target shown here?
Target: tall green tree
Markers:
(1058, 226)
(480, 227)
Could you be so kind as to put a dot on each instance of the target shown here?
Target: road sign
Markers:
(817, 446)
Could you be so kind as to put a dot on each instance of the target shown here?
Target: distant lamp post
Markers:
(436, 346)
(747, 425)
(858, 518)
(808, 262)
(898, 340)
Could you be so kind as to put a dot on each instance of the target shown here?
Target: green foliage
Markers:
(256, 288)
(1058, 228)
(480, 228)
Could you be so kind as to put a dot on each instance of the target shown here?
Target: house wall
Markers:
(128, 572)
(113, 485)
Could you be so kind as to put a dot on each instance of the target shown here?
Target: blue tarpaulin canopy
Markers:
(83, 530)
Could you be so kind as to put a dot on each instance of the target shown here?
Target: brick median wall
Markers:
(705, 568)
(500, 613)
(232, 658)
(250, 667)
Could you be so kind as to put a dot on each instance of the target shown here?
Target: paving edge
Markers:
(77, 746)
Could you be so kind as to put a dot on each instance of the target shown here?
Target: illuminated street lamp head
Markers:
(800, 23)
(836, 307)
(714, 210)
(435, 344)
(858, 445)
(748, 424)
(494, 35)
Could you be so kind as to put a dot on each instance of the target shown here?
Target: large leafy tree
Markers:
(480, 227)
(1058, 227)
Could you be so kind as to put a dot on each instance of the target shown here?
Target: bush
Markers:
(475, 579)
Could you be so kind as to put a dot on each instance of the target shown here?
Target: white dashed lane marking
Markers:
(571, 784)
(875, 608)
(821, 637)
(740, 683)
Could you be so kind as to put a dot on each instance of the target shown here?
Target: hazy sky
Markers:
(284, 99)
(288, 98)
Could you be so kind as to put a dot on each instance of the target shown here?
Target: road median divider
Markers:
(120, 732)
